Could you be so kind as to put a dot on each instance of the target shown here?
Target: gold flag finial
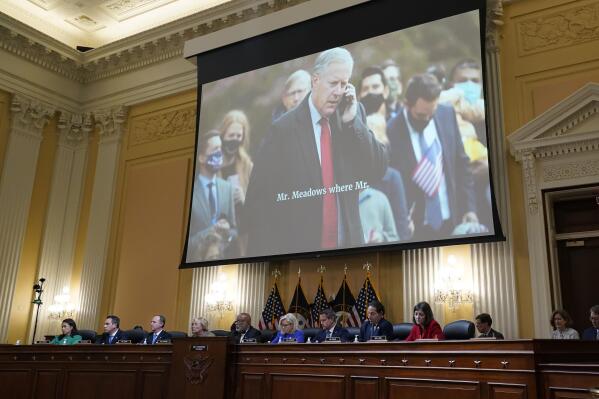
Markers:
(345, 269)
(321, 269)
(367, 266)
(276, 273)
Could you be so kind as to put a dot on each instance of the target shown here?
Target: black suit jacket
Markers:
(384, 328)
(458, 177)
(252, 333)
(492, 334)
(120, 335)
(163, 336)
(338, 331)
(287, 162)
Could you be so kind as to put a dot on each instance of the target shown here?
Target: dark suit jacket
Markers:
(338, 331)
(458, 178)
(103, 340)
(163, 336)
(492, 333)
(590, 334)
(288, 162)
(251, 333)
(385, 328)
(201, 223)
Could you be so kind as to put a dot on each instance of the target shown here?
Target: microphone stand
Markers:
(38, 289)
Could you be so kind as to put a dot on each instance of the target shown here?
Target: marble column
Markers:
(420, 268)
(251, 283)
(62, 217)
(493, 263)
(202, 279)
(28, 118)
(110, 124)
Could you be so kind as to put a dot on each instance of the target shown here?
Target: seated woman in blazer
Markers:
(425, 325)
(69, 336)
(289, 330)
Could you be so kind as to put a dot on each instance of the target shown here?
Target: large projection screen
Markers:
(364, 129)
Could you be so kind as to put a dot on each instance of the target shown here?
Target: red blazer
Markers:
(433, 330)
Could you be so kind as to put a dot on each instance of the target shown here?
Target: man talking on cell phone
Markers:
(303, 192)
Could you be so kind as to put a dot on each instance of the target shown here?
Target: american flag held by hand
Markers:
(429, 172)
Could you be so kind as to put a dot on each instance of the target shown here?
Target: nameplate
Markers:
(290, 340)
(123, 341)
(42, 342)
(248, 341)
(85, 341)
(333, 339)
(378, 338)
(163, 341)
(483, 338)
(199, 348)
(427, 339)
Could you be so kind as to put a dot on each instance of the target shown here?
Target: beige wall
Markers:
(150, 218)
(4, 125)
(548, 50)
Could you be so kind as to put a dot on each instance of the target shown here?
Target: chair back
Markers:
(459, 329)
(136, 335)
(353, 331)
(87, 335)
(310, 333)
(267, 335)
(402, 330)
(221, 333)
(178, 334)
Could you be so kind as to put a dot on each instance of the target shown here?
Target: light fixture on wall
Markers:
(450, 288)
(62, 307)
(219, 297)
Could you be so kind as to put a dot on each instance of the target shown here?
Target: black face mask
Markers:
(417, 124)
(231, 146)
(372, 102)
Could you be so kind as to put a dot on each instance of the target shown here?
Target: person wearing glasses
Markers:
(289, 331)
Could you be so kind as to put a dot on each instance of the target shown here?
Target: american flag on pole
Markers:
(344, 305)
(320, 303)
(367, 294)
(429, 172)
(273, 310)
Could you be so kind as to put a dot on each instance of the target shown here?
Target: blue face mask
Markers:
(471, 90)
(215, 160)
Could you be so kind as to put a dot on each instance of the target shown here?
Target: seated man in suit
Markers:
(213, 209)
(376, 325)
(592, 333)
(330, 328)
(158, 334)
(112, 332)
(244, 329)
(426, 148)
(483, 324)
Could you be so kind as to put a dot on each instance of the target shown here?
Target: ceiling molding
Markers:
(135, 52)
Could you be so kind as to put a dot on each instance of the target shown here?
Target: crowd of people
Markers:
(374, 328)
(325, 131)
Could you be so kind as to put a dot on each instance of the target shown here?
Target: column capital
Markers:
(74, 129)
(111, 122)
(494, 24)
(29, 116)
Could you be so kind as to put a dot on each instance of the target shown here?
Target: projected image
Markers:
(377, 142)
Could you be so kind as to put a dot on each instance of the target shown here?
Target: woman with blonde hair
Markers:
(289, 331)
(237, 164)
(199, 328)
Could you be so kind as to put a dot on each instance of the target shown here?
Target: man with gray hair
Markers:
(322, 144)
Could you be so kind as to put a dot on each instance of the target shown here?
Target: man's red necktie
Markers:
(329, 201)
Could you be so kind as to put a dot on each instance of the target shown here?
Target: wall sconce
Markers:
(62, 307)
(451, 289)
(219, 298)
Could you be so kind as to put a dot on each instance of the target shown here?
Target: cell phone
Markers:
(344, 103)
